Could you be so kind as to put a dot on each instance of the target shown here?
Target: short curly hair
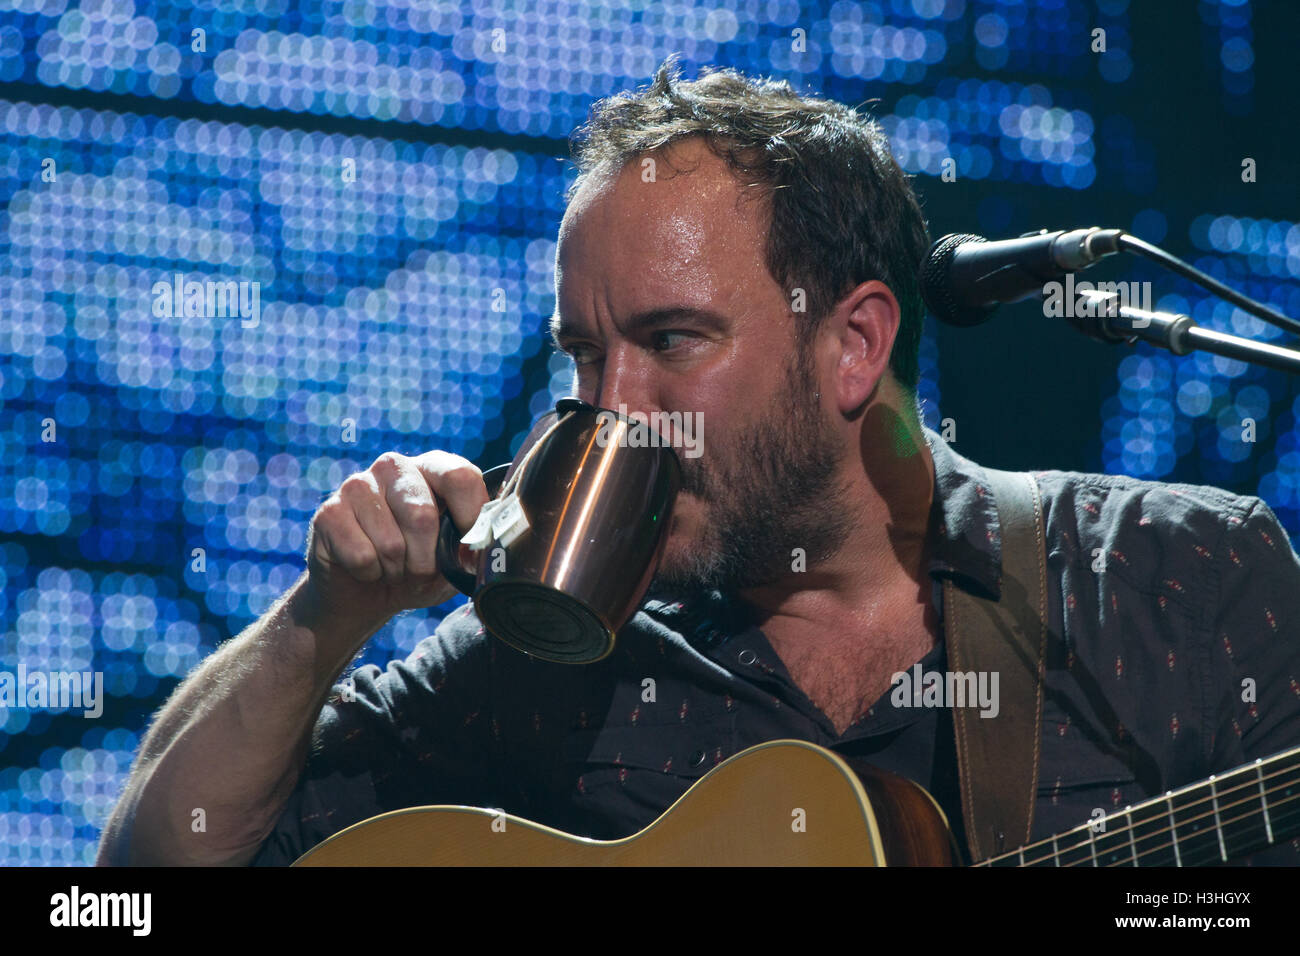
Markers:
(842, 211)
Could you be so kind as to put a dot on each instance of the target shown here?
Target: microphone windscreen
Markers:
(937, 286)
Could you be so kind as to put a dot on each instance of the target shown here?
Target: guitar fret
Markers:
(1198, 837)
(1150, 831)
(1075, 846)
(1092, 842)
(1056, 852)
(1022, 856)
(1128, 812)
(1244, 827)
(1263, 798)
(1114, 844)
(1173, 828)
(1284, 797)
(1218, 823)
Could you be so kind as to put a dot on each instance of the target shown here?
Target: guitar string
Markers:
(1158, 833)
(1154, 834)
(1215, 855)
(1089, 843)
(1252, 785)
(1281, 810)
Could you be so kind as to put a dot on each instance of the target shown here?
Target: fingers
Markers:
(336, 540)
(411, 502)
(382, 523)
(365, 496)
(457, 482)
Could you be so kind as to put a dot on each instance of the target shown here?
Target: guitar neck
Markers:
(1219, 819)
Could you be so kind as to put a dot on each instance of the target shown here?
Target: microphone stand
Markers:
(1106, 318)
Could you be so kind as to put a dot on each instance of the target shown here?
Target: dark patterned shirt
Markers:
(1174, 653)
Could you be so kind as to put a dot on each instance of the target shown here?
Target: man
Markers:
(734, 249)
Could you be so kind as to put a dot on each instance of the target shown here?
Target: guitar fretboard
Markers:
(1220, 819)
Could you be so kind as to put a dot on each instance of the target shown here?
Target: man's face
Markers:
(665, 303)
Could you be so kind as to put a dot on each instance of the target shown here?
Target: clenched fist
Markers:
(371, 547)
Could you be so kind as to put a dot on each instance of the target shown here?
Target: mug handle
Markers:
(448, 550)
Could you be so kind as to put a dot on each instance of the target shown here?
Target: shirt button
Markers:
(747, 657)
(697, 758)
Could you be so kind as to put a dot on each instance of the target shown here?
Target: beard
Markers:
(775, 492)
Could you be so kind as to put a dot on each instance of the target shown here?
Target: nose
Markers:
(625, 378)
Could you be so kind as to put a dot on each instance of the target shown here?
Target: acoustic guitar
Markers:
(793, 803)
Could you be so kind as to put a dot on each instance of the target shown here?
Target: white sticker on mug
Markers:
(480, 536)
(509, 520)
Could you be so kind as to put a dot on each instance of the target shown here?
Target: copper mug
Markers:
(572, 535)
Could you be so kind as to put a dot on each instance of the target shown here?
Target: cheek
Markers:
(689, 513)
(698, 479)
(719, 467)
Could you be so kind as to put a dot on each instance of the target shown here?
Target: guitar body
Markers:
(782, 803)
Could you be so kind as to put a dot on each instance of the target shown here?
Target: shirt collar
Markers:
(964, 515)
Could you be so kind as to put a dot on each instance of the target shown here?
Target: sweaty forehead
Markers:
(690, 227)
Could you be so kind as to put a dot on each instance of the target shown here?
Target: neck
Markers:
(880, 572)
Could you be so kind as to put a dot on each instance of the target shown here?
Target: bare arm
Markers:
(233, 738)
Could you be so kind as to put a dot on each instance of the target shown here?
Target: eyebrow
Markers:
(651, 318)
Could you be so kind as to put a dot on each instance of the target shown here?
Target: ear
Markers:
(864, 325)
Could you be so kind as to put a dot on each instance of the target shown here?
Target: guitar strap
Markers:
(997, 757)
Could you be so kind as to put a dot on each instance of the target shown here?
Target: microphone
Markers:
(964, 278)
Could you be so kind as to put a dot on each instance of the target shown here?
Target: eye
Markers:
(661, 340)
(581, 354)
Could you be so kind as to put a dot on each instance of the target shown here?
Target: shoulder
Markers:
(1103, 510)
